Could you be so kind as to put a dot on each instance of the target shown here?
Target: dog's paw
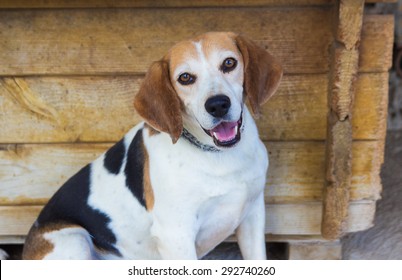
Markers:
(3, 255)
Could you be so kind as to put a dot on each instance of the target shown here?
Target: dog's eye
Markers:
(228, 65)
(186, 79)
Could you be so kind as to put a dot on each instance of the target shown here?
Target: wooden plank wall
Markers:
(69, 72)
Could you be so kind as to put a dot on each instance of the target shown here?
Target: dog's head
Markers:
(201, 84)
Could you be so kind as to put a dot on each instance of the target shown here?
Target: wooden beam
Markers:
(100, 109)
(381, 1)
(295, 175)
(377, 38)
(282, 219)
(40, 4)
(126, 41)
(345, 54)
(23, 4)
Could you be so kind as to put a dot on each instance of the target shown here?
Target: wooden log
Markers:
(339, 137)
(381, 1)
(299, 109)
(293, 219)
(83, 109)
(30, 174)
(305, 219)
(99, 109)
(97, 42)
(17, 220)
(338, 178)
(24, 4)
(12, 239)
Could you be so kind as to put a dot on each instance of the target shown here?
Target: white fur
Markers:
(70, 244)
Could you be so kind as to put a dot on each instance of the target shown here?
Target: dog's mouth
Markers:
(226, 134)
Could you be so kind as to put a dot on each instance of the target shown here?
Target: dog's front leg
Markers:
(251, 232)
(174, 242)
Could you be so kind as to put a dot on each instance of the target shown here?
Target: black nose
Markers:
(218, 105)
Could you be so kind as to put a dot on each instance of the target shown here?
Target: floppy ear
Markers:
(158, 103)
(262, 73)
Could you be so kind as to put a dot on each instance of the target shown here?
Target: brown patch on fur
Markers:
(36, 246)
(262, 73)
(213, 41)
(151, 130)
(148, 191)
(180, 54)
(158, 103)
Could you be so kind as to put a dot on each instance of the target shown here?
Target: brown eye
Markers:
(186, 79)
(228, 65)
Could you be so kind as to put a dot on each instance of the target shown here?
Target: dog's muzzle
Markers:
(226, 133)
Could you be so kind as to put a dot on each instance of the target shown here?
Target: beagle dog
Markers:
(184, 180)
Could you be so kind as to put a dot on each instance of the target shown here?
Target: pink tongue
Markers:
(226, 131)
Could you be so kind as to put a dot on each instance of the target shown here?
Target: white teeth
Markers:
(215, 134)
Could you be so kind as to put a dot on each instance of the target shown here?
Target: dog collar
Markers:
(193, 140)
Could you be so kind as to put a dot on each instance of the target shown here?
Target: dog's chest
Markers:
(199, 179)
(211, 191)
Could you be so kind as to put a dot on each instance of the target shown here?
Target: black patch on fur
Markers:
(70, 205)
(114, 157)
(134, 170)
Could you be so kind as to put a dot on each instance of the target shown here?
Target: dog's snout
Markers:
(218, 106)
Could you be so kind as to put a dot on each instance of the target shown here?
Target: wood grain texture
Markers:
(370, 107)
(306, 219)
(297, 111)
(126, 41)
(30, 174)
(90, 109)
(377, 38)
(380, 1)
(338, 175)
(25, 4)
(100, 109)
(297, 170)
(293, 219)
(19, 4)
(338, 164)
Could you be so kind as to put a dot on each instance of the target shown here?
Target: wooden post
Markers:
(344, 67)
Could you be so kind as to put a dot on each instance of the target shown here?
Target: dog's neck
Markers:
(194, 141)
